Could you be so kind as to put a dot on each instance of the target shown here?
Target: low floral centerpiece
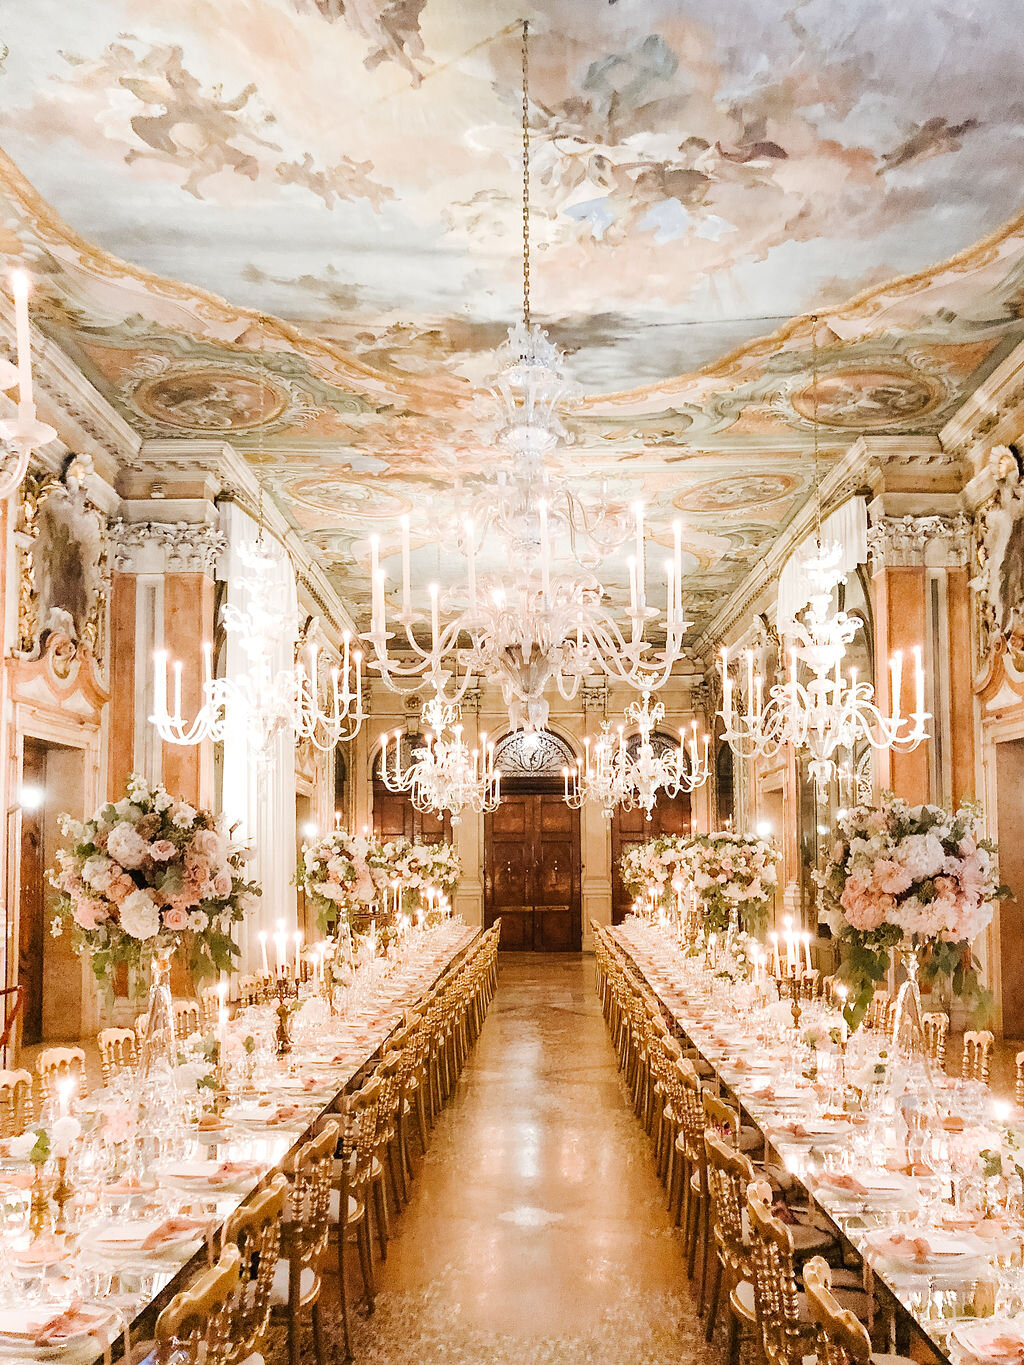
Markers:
(149, 876)
(732, 875)
(916, 877)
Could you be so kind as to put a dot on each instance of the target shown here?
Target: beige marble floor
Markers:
(537, 1231)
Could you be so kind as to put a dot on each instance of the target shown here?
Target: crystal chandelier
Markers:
(829, 712)
(543, 630)
(264, 701)
(445, 775)
(618, 777)
(24, 432)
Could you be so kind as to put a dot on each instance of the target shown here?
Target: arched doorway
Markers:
(671, 815)
(394, 815)
(532, 848)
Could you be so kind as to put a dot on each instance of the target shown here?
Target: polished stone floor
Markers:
(537, 1230)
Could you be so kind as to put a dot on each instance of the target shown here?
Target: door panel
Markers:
(532, 872)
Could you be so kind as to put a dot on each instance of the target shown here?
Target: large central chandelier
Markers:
(542, 628)
(630, 774)
(818, 709)
(445, 775)
(262, 701)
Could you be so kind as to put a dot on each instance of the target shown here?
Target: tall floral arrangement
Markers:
(914, 875)
(343, 874)
(148, 873)
(653, 867)
(732, 872)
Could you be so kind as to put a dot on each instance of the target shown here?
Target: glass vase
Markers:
(157, 1052)
(907, 1028)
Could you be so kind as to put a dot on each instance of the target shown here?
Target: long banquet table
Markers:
(904, 1184)
(100, 1263)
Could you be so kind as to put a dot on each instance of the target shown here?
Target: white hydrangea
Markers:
(140, 917)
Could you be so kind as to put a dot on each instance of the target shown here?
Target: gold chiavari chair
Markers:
(977, 1057)
(119, 1051)
(841, 1339)
(935, 1026)
(304, 1233)
(878, 1011)
(15, 1102)
(187, 1018)
(781, 1308)
(249, 990)
(729, 1174)
(360, 1137)
(198, 1319)
(255, 1230)
(693, 1208)
(209, 1007)
(56, 1064)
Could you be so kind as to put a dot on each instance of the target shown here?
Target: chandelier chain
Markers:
(526, 173)
(814, 428)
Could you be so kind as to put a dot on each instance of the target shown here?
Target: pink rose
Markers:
(175, 919)
(120, 888)
(162, 851)
(89, 912)
(222, 885)
(207, 843)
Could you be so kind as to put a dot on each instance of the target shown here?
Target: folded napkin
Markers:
(75, 1321)
(211, 1123)
(42, 1251)
(173, 1229)
(229, 1171)
(130, 1185)
(284, 1113)
(899, 1167)
(15, 1180)
(843, 1180)
(953, 1123)
(1001, 1344)
(898, 1244)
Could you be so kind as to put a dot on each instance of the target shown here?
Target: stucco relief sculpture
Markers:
(999, 582)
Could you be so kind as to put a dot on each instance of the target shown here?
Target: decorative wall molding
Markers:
(938, 540)
(539, 754)
(171, 547)
(999, 555)
(594, 697)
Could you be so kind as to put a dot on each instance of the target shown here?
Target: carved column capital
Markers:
(594, 697)
(941, 541)
(166, 547)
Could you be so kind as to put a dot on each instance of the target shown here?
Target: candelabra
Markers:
(829, 711)
(445, 774)
(600, 778)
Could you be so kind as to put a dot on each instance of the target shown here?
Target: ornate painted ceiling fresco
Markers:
(294, 224)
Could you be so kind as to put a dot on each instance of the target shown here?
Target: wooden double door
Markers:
(532, 872)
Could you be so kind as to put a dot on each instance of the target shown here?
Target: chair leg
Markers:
(421, 1115)
(732, 1350)
(318, 1334)
(366, 1260)
(716, 1289)
(706, 1253)
(380, 1204)
(343, 1292)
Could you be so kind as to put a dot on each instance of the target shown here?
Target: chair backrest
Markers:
(209, 1004)
(15, 1102)
(119, 1051)
(776, 1299)
(721, 1117)
(842, 1338)
(255, 1229)
(977, 1058)
(309, 1199)
(249, 990)
(200, 1316)
(878, 1010)
(56, 1064)
(187, 1017)
(691, 1113)
(935, 1026)
(729, 1174)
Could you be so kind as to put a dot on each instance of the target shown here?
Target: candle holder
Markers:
(39, 1201)
(63, 1192)
(283, 1036)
